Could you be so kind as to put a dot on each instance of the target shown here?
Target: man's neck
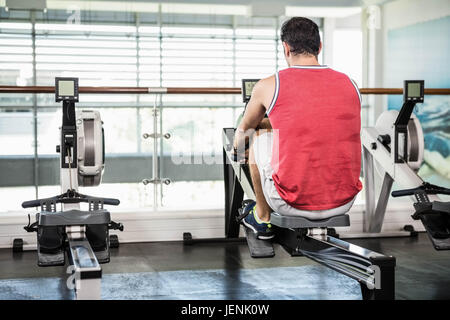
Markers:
(303, 60)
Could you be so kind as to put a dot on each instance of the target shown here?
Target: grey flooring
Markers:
(169, 270)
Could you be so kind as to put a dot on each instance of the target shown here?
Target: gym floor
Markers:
(170, 270)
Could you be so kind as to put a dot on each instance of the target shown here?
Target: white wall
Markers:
(149, 226)
(342, 45)
(393, 14)
(402, 13)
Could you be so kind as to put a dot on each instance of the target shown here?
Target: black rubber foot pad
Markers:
(437, 228)
(440, 244)
(258, 248)
(113, 241)
(50, 260)
(102, 256)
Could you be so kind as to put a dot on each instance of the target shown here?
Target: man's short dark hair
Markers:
(302, 35)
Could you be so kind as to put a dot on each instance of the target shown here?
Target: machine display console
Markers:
(247, 88)
(66, 89)
(413, 90)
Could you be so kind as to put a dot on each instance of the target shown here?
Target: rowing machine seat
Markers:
(73, 218)
(302, 222)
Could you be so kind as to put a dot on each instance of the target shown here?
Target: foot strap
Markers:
(31, 227)
(241, 215)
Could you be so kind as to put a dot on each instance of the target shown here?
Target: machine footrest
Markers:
(436, 219)
(440, 244)
(51, 259)
(438, 230)
(258, 248)
(102, 256)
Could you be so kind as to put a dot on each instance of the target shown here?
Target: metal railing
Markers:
(188, 90)
(157, 134)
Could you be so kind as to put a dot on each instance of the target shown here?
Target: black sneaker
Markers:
(263, 230)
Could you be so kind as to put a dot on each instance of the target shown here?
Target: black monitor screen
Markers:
(66, 89)
(247, 88)
(414, 89)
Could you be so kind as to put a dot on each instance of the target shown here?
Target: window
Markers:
(347, 49)
(179, 51)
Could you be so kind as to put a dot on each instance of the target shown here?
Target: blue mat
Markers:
(286, 283)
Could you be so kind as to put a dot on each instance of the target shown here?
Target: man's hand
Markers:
(239, 157)
(240, 152)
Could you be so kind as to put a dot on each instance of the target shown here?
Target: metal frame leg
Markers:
(234, 194)
(374, 214)
(373, 221)
(369, 188)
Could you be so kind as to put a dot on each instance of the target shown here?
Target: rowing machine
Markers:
(82, 235)
(315, 239)
(395, 149)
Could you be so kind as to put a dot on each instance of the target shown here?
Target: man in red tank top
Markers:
(307, 161)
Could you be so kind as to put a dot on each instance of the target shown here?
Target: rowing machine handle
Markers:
(402, 193)
(425, 188)
(37, 203)
(31, 203)
(111, 201)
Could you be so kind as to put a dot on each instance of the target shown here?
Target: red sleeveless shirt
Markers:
(315, 114)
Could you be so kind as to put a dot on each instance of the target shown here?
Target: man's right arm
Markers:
(254, 113)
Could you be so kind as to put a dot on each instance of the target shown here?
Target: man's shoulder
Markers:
(340, 74)
(265, 84)
(269, 81)
(264, 90)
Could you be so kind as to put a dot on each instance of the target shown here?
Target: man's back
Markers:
(315, 114)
